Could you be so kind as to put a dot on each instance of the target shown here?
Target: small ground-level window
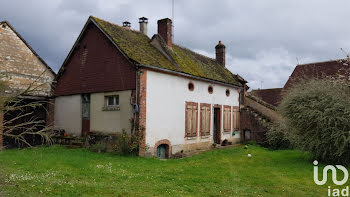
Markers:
(191, 86)
(210, 89)
(227, 92)
(162, 151)
(112, 100)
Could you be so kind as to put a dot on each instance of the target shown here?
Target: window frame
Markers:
(202, 133)
(210, 89)
(195, 132)
(228, 92)
(190, 84)
(227, 111)
(116, 103)
(236, 118)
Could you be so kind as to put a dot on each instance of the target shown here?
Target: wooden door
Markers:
(217, 126)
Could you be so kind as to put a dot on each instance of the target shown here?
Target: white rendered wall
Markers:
(68, 114)
(166, 96)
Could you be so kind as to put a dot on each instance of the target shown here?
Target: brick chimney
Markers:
(165, 31)
(143, 25)
(220, 53)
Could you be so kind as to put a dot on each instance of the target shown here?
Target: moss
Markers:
(138, 48)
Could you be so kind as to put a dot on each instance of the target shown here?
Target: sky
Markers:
(264, 39)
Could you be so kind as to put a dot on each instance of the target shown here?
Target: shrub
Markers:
(127, 143)
(119, 143)
(318, 111)
(277, 136)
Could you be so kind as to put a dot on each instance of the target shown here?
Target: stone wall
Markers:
(21, 66)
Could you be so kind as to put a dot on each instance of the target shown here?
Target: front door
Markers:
(217, 126)
(85, 105)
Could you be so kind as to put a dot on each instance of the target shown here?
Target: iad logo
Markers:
(334, 174)
(332, 192)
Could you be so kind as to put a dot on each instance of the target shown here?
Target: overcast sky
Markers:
(263, 38)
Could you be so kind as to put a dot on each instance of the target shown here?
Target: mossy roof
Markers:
(136, 46)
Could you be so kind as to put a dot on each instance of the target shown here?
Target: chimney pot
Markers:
(220, 53)
(126, 24)
(165, 31)
(143, 25)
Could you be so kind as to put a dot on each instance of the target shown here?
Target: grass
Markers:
(57, 171)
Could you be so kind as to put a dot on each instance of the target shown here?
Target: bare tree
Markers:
(20, 108)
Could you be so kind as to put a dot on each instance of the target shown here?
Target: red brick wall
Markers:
(249, 122)
(96, 65)
(142, 114)
(164, 30)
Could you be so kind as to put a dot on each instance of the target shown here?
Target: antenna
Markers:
(297, 60)
(172, 18)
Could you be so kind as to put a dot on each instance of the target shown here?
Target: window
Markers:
(190, 86)
(236, 118)
(191, 117)
(227, 92)
(205, 119)
(210, 89)
(227, 118)
(112, 100)
(111, 103)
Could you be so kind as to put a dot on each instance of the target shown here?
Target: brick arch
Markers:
(168, 150)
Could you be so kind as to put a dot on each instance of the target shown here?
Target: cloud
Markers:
(263, 38)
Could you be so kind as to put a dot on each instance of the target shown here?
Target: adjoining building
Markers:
(26, 75)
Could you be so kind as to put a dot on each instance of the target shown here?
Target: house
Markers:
(118, 79)
(260, 105)
(23, 69)
(339, 69)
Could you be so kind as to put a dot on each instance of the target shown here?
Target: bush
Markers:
(120, 143)
(318, 111)
(277, 136)
(127, 144)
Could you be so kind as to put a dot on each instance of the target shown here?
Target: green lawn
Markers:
(57, 171)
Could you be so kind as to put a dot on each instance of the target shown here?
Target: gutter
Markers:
(188, 75)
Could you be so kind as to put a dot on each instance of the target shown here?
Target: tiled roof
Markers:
(138, 48)
(318, 70)
(271, 96)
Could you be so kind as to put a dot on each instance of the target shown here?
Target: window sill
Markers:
(111, 108)
(227, 132)
(192, 138)
(205, 137)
